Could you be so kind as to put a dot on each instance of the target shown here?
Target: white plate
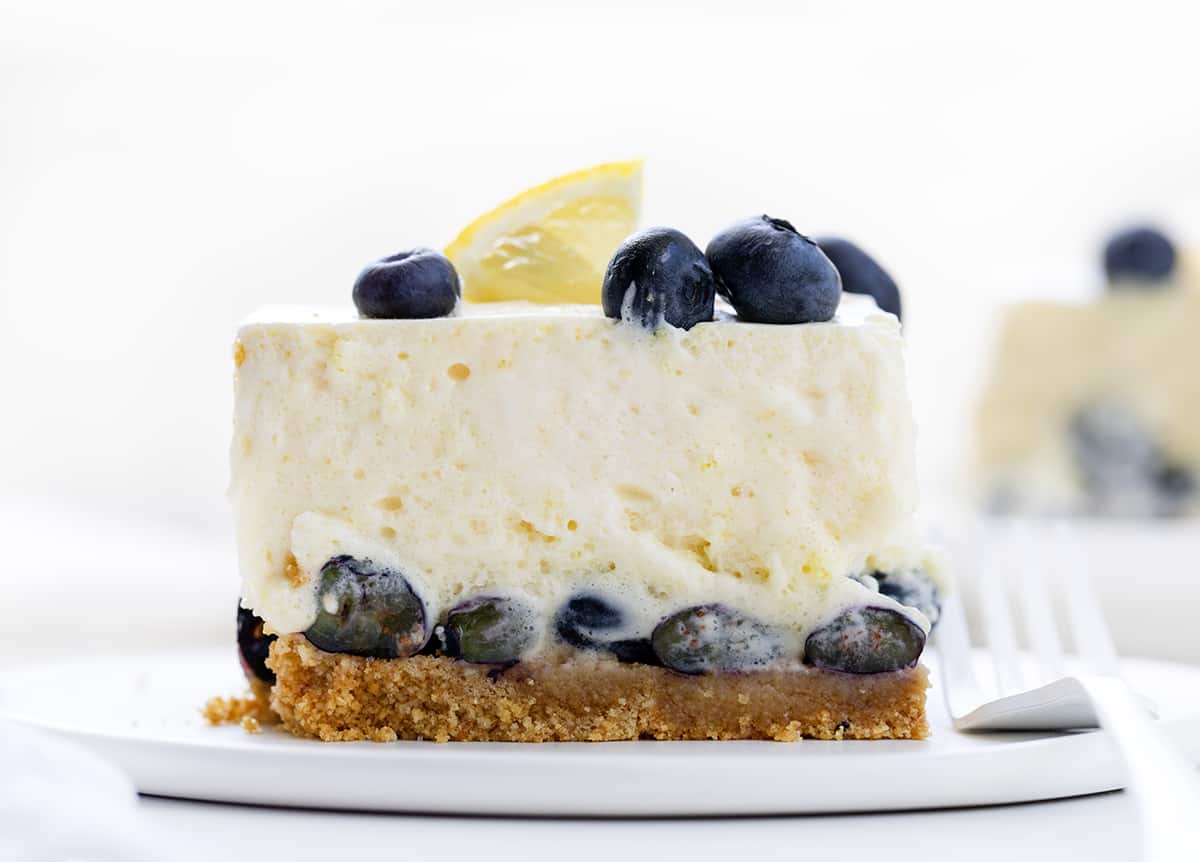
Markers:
(143, 714)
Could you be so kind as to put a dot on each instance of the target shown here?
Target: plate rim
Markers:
(168, 763)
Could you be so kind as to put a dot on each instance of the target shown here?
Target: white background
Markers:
(164, 169)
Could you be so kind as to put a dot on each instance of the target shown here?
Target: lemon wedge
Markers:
(552, 243)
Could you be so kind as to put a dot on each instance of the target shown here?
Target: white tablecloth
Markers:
(1099, 829)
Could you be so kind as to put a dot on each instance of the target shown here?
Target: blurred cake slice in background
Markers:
(1093, 408)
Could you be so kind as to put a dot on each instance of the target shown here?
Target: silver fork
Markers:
(1048, 691)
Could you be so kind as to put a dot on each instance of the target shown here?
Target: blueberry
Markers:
(490, 630)
(416, 283)
(1139, 254)
(590, 622)
(1113, 451)
(713, 638)
(659, 275)
(771, 273)
(585, 619)
(253, 646)
(861, 274)
(1123, 471)
(909, 587)
(633, 651)
(866, 640)
(367, 609)
(1176, 486)
(1107, 438)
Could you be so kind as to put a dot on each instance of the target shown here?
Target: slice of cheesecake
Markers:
(1093, 408)
(530, 522)
(630, 510)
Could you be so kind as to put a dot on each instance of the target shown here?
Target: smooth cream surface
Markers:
(544, 450)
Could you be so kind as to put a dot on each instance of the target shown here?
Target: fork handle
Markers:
(1162, 783)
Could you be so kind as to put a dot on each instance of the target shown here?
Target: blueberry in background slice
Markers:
(1105, 435)
(771, 273)
(1139, 254)
(367, 609)
(489, 630)
(253, 646)
(1122, 468)
(659, 276)
(1176, 487)
(714, 638)
(866, 640)
(1114, 454)
(861, 273)
(410, 284)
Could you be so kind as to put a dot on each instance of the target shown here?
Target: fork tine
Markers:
(959, 683)
(998, 631)
(1089, 629)
(1034, 582)
(962, 687)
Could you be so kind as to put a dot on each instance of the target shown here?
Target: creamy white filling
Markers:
(627, 301)
(547, 451)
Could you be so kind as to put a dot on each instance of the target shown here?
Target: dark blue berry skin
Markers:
(253, 646)
(670, 279)
(1112, 448)
(1140, 254)
(633, 651)
(1116, 459)
(714, 639)
(374, 611)
(1121, 467)
(583, 621)
(1176, 486)
(590, 622)
(866, 640)
(771, 273)
(861, 274)
(410, 284)
(489, 630)
(912, 588)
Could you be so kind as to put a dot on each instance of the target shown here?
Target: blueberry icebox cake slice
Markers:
(682, 510)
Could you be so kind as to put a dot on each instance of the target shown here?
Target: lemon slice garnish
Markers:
(552, 243)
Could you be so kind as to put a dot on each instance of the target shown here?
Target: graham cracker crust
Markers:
(583, 697)
(250, 712)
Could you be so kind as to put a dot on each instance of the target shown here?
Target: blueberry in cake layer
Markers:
(634, 518)
(1094, 408)
(254, 646)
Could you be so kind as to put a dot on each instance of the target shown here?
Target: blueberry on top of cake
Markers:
(861, 273)
(772, 273)
(1139, 255)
